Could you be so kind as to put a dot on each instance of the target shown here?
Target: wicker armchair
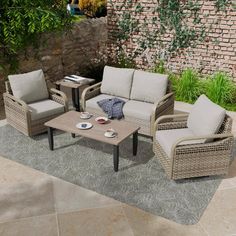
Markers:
(194, 160)
(19, 113)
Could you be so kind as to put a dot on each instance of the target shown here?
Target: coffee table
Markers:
(67, 122)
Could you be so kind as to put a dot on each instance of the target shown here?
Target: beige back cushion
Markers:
(29, 87)
(117, 81)
(148, 87)
(205, 117)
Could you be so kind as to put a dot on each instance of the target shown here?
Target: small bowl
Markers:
(101, 120)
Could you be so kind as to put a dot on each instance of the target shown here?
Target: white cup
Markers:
(110, 132)
(84, 115)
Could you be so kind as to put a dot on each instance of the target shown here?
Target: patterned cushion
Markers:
(148, 87)
(92, 103)
(29, 87)
(117, 81)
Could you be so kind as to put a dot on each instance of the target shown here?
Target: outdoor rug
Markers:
(140, 182)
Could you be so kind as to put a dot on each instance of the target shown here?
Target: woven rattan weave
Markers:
(18, 113)
(194, 160)
(164, 106)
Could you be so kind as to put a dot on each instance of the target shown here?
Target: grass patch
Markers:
(78, 18)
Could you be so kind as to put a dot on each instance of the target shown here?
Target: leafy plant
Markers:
(93, 8)
(221, 4)
(220, 89)
(95, 67)
(124, 61)
(188, 86)
(22, 23)
(160, 67)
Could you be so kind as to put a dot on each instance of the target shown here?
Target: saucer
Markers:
(109, 135)
(84, 125)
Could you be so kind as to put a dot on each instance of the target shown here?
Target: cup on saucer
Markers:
(110, 133)
(85, 115)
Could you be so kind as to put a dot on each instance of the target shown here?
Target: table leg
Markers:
(58, 87)
(50, 138)
(116, 157)
(76, 99)
(135, 143)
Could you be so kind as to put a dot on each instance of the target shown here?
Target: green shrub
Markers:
(93, 8)
(174, 78)
(188, 87)
(160, 67)
(220, 89)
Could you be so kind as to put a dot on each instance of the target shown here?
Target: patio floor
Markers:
(55, 207)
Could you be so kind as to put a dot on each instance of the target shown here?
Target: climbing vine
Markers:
(222, 4)
(170, 26)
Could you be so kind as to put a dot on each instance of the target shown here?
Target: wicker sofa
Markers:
(29, 103)
(195, 144)
(147, 95)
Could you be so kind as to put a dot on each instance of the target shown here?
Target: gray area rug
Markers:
(140, 182)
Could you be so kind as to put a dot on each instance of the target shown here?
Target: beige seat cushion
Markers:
(117, 81)
(205, 117)
(92, 103)
(45, 108)
(148, 87)
(29, 87)
(167, 138)
(138, 110)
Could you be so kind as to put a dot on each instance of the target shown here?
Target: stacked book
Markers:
(75, 79)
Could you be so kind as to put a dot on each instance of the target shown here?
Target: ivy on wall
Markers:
(175, 24)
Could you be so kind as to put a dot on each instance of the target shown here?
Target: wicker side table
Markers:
(75, 88)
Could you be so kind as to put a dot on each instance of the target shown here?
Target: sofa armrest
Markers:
(59, 97)
(90, 92)
(164, 106)
(163, 100)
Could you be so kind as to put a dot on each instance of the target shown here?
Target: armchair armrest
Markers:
(57, 92)
(10, 98)
(176, 121)
(212, 137)
(16, 108)
(90, 92)
(59, 96)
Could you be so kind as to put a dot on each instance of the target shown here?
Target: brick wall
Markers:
(217, 52)
(65, 54)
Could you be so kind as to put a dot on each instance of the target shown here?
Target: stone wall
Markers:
(217, 52)
(70, 53)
